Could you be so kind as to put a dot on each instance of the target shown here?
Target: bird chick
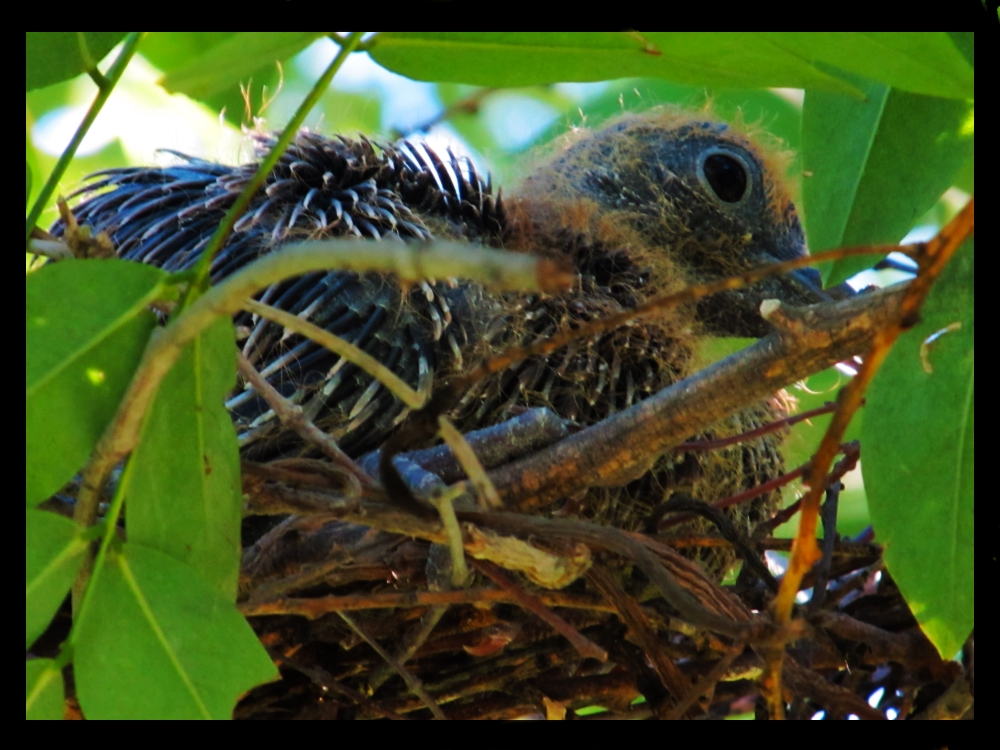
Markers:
(643, 206)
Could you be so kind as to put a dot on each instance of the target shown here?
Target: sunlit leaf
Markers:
(740, 60)
(921, 62)
(918, 458)
(873, 167)
(43, 690)
(53, 56)
(86, 325)
(226, 63)
(53, 554)
(182, 488)
(156, 642)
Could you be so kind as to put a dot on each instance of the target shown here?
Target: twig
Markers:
(628, 609)
(744, 437)
(705, 684)
(828, 513)
(325, 682)
(291, 415)
(322, 605)
(586, 647)
(469, 104)
(411, 681)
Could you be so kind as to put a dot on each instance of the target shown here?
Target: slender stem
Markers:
(105, 85)
(347, 46)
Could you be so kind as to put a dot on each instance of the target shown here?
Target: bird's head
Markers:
(694, 199)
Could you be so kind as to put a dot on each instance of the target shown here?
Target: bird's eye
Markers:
(726, 175)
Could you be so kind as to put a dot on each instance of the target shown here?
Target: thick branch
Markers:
(623, 447)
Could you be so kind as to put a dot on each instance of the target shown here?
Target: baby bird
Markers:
(643, 206)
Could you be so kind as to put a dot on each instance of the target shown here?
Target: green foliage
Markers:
(53, 553)
(182, 486)
(887, 126)
(154, 641)
(862, 186)
(86, 324)
(43, 690)
(919, 459)
(51, 57)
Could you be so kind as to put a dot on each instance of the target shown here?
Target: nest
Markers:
(355, 596)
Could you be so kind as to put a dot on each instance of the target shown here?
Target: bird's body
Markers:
(644, 206)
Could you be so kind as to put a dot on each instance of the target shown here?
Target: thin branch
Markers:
(266, 165)
(315, 607)
(586, 647)
(411, 681)
(631, 614)
(291, 415)
(931, 259)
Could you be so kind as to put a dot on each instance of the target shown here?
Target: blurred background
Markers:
(497, 128)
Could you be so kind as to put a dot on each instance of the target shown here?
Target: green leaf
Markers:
(53, 56)
(43, 690)
(155, 642)
(234, 59)
(53, 555)
(182, 486)
(918, 458)
(920, 62)
(171, 51)
(874, 167)
(86, 325)
(506, 59)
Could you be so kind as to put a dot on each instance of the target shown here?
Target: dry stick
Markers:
(325, 681)
(292, 415)
(706, 683)
(931, 260)
(411, 680)
(631, 614)
(322, 605)
(586, 647)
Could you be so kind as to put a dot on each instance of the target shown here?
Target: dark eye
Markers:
(727, 176)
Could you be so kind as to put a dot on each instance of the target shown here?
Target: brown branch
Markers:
(291, 415)
(412, 682)
(586, 647)
(628, 609)
(624, 446)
